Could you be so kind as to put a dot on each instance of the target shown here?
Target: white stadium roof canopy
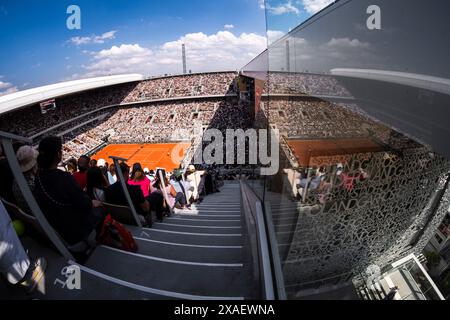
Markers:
(28, 97)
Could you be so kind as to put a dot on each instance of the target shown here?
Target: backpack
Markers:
(115, 235)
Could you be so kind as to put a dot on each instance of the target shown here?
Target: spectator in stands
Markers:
(15, 264)
(115, 195)
(6, 175)
(138, 178)
(150, 174)
(27, 157)
(196, 180)
(96, 184)
(156, 200)
(101, 163)
(80, 175)
(93, 163)
(67, 208)
(179, 190)
(160, 188)
(7, 178)
(112, 178)
(72, 165)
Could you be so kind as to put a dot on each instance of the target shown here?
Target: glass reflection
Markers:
(362, 119)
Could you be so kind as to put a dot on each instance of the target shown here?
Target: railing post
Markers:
(123, 184)
(265, 255)
(163, 184)
(27, 194)
(276, 259)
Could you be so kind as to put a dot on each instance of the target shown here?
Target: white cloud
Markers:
(262, 5)
(7, 88)
(274, 35)
(280, 9)
(4, 85)
(346, 42)
(314, 6)
(119, 59)
(94, 39)
(228, 26)
(214, 52)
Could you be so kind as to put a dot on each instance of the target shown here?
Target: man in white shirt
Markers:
(196, 181)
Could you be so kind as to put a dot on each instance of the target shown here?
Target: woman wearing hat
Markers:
(27, 157)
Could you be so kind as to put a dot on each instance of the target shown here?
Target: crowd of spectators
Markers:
(157, 123)
(31, 121)
(304, 83)
(184, 86)
(74, 196)
(310, 119)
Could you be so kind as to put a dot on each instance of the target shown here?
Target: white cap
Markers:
(101, 163)
(27, 157)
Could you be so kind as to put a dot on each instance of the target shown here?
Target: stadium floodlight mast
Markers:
(183, 50)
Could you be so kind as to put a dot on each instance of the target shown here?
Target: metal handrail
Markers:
(123, 184)
(8, 149)
(259, 243)
(275, 255)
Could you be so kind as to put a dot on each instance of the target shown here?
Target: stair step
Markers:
(204, 254)
(206, 217)
(203, 222)
(188, 238)
(196, 228)
(174, 276)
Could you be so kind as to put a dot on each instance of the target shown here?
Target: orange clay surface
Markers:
(150, 156)
(304, 150)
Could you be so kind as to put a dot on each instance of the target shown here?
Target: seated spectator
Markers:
(115, 195)
(138, 178)
(80, 175)
(7, 178)
(92, 163)
(168, 201)
(179, 190)
(150, 174)
(96, 184)
(27, 157)
(111, 174)
(67, 208)
(72, 165)
(101, 163)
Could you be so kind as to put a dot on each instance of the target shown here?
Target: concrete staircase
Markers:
(194, 254)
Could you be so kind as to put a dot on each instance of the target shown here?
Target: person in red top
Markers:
(81, 175)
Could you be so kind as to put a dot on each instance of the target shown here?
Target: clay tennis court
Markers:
(150, 156)
(304, 150)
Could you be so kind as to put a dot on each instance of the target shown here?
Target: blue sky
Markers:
(141, 36)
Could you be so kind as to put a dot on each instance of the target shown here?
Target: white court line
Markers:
(188, 245)
(195, 234)
(204, 264)
(158, 292)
